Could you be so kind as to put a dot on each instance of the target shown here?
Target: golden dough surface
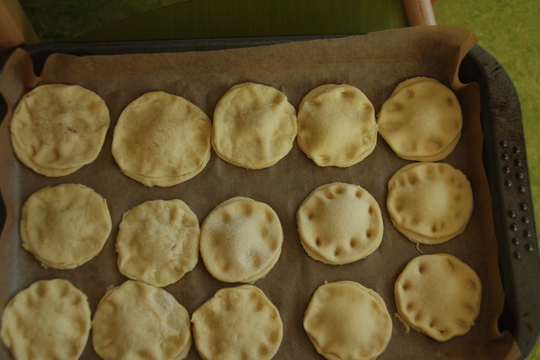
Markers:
(340, 223)
(237, 323)
(48, 320)
(438, 295)
(336, 125)
(56, 129)
(429, 203)
(162, 139)
(254, 126)
(140, 321)
(421, 120)
(346, 320)
(241, 240)
(65, 226)
(158, 242)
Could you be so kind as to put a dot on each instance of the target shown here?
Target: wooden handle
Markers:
(419, 12)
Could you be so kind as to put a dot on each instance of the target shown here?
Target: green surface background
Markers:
(508, 29)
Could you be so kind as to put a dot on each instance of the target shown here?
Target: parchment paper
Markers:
(375, 63)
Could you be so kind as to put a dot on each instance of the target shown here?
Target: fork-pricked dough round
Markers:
(48, 320)
(57, 129)
(162, 139)
(254, 126)
(65, 226)
(241, 240)
(140, 321)
(429, 203)
(336, 125)
(237, 323)
(158, 242)
(340, 223)
(438, 295)
(421, 120)
(345, 320)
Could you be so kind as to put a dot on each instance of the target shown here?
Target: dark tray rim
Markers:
(504, 157)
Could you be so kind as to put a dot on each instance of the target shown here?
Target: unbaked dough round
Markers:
(340, 223)
(140, 321)
(421, 120)
(162, 139)
(48, 320)
(241, 240)
(336, 125)
(345, 320)
(65, 226)
(237, 323)
(158, 242)
(254, 126)
(429, 203)
(57, 129)
(438, 295)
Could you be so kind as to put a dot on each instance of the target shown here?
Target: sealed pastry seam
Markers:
(162, 139)
(239, 322)
(254, 126)
(158, 242)
(345, 320)
(339, 223)
(56, 129)
(438, 295)
(336, 125)
(241, 240)
(65, 226)
(51, 318)
(135, 319)
(429, 202)
(421, 120)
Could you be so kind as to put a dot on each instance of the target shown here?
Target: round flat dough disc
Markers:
(421, 120)
(241, 240)
(254, 126)
(430, 203)
(65, 226)
(57, 129)
(438, 295)
(48, 320)
(340, 223)
(162, 139)
(345, 320)
(158, 242)
(336, 125)
(237, 323)
(139, 321)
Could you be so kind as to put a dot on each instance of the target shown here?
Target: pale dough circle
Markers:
(429, 203)
(345, 320)
(340, 223)
(254, 126)
(57, 129)
(65, 226)
(51, 319)
(336, 125)
(158, 242)
(421, 120)
(237, 323)
(438, 295)
(162, 139)
(140, 321)
(241, 240)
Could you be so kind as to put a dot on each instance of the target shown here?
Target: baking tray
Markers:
(504, 158)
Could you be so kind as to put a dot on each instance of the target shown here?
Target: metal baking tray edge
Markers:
(504, 157)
